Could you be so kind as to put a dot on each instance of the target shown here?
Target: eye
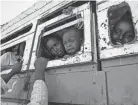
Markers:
(56, 44)
(118, 31)
(129, 34)
(71, 40)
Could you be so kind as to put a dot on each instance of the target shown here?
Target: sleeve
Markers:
(5, 59)
(4, 87)
(39, 95)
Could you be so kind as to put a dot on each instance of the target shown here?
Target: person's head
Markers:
(54, 45)
(123, 32)
(19, 49)
(72, 40)
(15, 49)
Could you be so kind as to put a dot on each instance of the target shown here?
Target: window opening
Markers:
(11, 55)
(121, 26)
(63, 43)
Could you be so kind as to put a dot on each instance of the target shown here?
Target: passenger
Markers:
(54, 45)
(72, 40)
(122, 32)
(10, 58)
(6, 77)
(39, 95)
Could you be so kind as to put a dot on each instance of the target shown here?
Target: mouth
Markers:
(119, 42)
(70, 50)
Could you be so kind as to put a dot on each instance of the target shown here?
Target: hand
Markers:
(40, 66)
(41, 63)
(16, 68)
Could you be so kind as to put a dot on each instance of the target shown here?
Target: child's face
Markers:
(71, 41)
(55, 47)
(123, 32)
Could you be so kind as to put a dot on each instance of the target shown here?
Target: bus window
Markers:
(12, 55)
(18, 33)
(66, 39)
(121, 26)
(62, 43)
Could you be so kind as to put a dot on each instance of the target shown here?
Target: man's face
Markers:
(55, 47)
(71, 41)
(123, 33)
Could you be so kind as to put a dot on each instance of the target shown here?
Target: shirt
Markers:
(8, 58)
(39, 95)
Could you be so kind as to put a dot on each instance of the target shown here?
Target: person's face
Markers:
(123, 33)
(71, 42)
(55, 47)
(15, 49)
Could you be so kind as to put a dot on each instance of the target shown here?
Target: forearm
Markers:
(7, 77)
(40, 73)
(5, 67)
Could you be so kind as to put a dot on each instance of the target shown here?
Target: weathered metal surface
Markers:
(122, 85)
(121, 61)
(73, 88)
(76, 85)
(85, 54)
(107, 50)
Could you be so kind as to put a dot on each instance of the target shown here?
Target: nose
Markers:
(55, 49)
(121, 36)
(69, 44)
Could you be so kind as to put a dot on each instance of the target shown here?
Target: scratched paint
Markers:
(122, 85)
(107, 50)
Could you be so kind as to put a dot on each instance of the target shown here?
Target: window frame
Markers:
(84, 10)
(27, 38)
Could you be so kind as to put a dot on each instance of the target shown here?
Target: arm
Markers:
(39, 95)
(6, 77)
(6, 67)
(15, 70)
(40, 66)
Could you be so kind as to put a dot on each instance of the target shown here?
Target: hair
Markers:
(126, 18)
(80, 31)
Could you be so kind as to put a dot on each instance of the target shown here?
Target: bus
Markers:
(103, 68)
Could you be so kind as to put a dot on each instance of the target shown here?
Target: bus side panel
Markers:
(76, 85)
(122, 81)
